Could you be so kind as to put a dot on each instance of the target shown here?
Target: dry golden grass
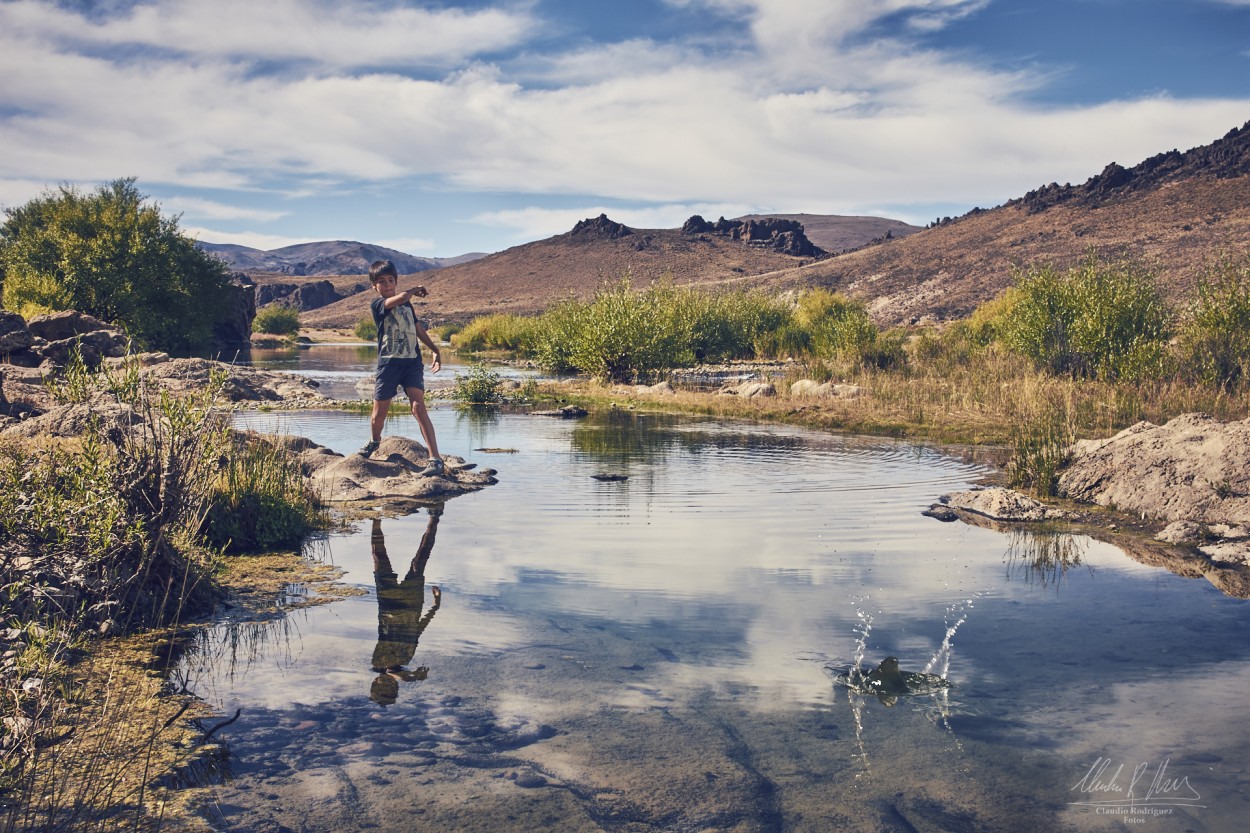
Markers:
(985, 399)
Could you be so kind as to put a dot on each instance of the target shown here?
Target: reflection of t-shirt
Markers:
(397, 331)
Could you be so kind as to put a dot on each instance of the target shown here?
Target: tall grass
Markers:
(496, 332)
(104, 533)
(1215, 330)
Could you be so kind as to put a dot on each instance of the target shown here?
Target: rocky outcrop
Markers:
(301, 296)
(313, 295)
(785, 236)
(601, 228)
(15, 336)
(232, 333)
(269, 292)
(391, 475)
(1192, 473)
(244, 384)
(1193, 468)
(1225, 158)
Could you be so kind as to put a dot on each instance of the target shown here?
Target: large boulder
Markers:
(59, 326)
(270, 292)
(1000, 504)
(313, 295)
(15, 335)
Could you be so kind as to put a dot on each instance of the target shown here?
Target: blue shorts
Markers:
(397, 374)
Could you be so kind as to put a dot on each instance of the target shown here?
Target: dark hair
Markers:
(380, 268)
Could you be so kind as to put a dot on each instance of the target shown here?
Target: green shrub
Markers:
(366, 329)
(112, 256)
(839, 327)
(1105, 321)
(497, 332)
(277, 320)
(478, 387)
(259, 501)
(1215, 332)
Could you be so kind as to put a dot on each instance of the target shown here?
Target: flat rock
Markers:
(811, 389)
(390, 474)
(1003, 505)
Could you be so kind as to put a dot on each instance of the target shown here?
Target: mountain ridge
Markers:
(325, 258)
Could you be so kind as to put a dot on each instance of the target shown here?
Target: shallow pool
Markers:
(660, 652)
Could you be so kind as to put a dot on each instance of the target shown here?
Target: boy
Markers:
(399, 359)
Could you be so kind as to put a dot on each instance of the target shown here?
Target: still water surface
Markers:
(661, 653)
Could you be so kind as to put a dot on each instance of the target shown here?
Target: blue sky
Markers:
(440, 128)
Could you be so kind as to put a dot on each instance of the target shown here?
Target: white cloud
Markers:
(318, 31)
(201, 209)
(806, 115)
(264, 242)
(419, 246)
(15, 192)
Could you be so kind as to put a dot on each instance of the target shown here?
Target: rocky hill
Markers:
(330, 257)
(1175, 212)
(529, 278)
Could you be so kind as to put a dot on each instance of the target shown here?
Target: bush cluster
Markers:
(276, 320)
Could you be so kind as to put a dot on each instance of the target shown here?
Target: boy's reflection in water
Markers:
(400, 622)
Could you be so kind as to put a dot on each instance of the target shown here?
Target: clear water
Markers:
(662, 653)
(339, 368)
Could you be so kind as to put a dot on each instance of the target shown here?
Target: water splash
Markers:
(861, 629)
(959, 613)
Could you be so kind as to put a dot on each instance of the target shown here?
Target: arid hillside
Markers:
(1175, 212)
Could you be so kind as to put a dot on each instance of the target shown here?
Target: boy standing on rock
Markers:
(399, 359)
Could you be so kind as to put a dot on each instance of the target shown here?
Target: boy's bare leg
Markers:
(378, 418)
(416, 398)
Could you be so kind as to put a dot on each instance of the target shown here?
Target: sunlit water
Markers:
(664, 652)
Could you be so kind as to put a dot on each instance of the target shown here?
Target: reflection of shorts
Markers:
(395, 374)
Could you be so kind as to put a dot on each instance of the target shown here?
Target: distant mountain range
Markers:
(330, 257)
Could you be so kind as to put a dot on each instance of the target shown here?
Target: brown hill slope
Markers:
(1175, 211)
(531, 277)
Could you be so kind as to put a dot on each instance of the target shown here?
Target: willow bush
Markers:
(1097, 320)
(500, 331)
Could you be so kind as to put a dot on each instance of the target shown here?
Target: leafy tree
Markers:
(112, 256)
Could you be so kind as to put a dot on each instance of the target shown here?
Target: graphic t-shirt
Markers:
(397, 331)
